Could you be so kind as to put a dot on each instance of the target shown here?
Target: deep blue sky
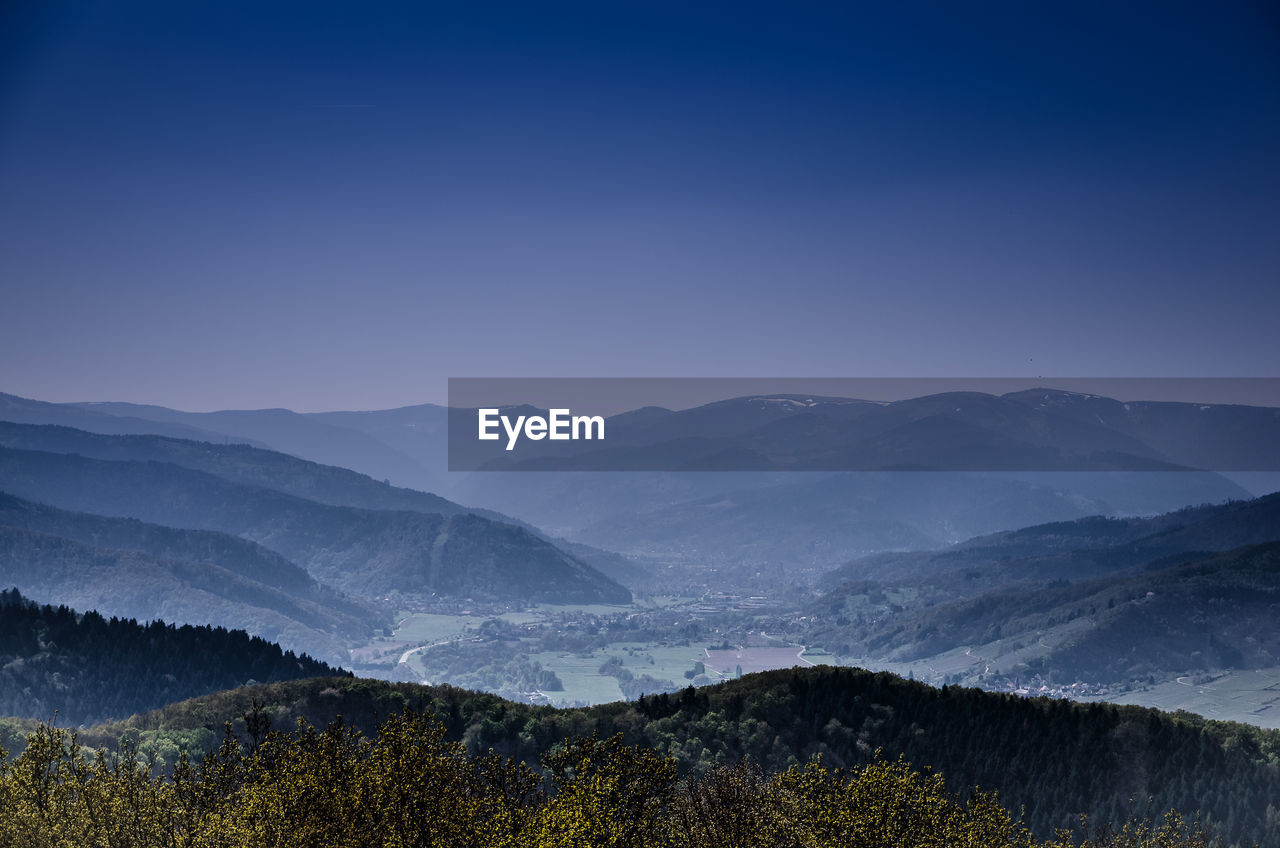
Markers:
(338, 205)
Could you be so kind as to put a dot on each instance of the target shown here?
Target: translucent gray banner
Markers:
(864, 424)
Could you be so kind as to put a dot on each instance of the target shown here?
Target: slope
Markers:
(1202, 615)
(367, 552)
(1055, 758)
(1078, 549)
(87, 668)
(130, 568)
(271, 469)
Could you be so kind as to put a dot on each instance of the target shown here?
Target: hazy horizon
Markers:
(612, 396)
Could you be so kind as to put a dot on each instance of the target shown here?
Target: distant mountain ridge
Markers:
(363, 551)
(1085, 547)
(238, 463)
(262, 467)
(22, 410)
(1035, 430)
(1111, 602)
(283, 430)
(132, 569)
(747, 522)
(333, 485)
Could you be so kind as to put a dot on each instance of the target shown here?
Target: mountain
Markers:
(87, 668)
(283, 430)
(1038, 430)
(616, 567)
(25, 411)
(1110, 605)
(1202, 615)
(568, 504)
(236, 463)
(1053, 759)
(1084, 548)
(418, 432)
(807, 523)
(1217, 436)
(672, 526)
(369, 553)
(128, 568)
(799, 529)
(274, 470)
(320, 437)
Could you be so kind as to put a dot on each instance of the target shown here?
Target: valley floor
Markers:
(592, 654)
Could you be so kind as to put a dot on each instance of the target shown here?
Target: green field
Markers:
(1246, 696)
(429, 627)
(579, 672)
(550, 610)
(583, 681)
(433, 627)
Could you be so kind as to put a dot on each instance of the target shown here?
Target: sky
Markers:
(331, 205)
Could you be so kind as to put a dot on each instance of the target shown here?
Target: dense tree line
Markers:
(1050, 759)
(411, 785)
(87, 668)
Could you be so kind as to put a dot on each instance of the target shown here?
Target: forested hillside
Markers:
(367, 552)
(86, 668)
(133, 569)
(1098, 606)
(411, 785)
(238, 463)
(252, 465)
(1187, 617)
(1054, 758)
(1073, 550)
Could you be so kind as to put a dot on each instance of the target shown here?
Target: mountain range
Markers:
(672, 526)
(1116, 602)
(1071, 550)
(149, 526)
(1033, 430)
(317, 556)
(364, 551)
(132, 569)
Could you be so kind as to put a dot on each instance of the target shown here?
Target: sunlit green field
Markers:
(581, 678)
(1247, 696)
(428, 627)
(589, 609)
(581, 673)
(416, 633)
(433, 627)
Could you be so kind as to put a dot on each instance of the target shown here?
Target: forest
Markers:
(412, 785)
(1049, 760)
(85, 667)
